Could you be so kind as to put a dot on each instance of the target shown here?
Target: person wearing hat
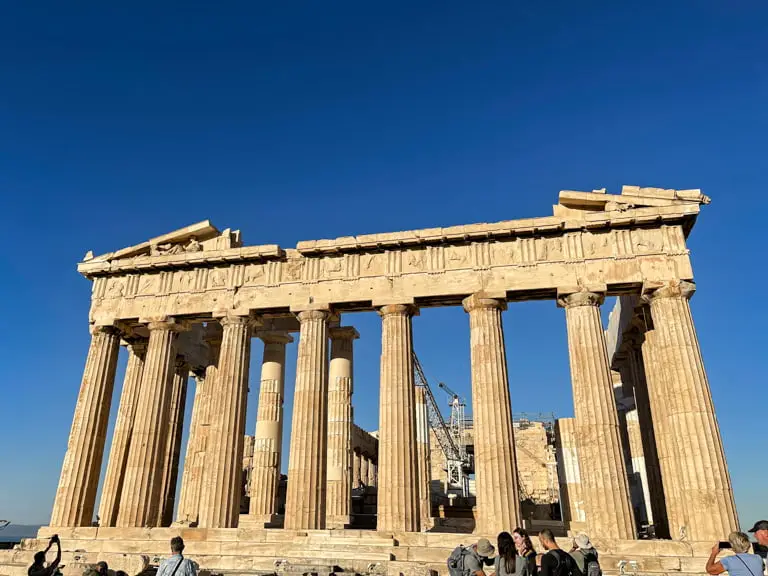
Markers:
(583, 552)
(760, 530)
(469, 561)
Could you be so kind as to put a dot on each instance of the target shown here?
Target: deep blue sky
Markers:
(296, 121)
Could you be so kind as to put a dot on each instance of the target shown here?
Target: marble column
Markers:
(648, 437)
(340, 388)
(121, 437)
(364, 469)
(188, 512)
(173, 442)
(571, 498)
(664, 435)
(222, 477)
(705, 489)
(356, 478)
(76, 494)
(424, 459)
(140, 501)
(604, 478)
(372, 478)
(305, 498)
(398, 500)
(268, 441)
(496, 482)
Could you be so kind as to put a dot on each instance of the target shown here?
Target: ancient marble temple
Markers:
(196, 300)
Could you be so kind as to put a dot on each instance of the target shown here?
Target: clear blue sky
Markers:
(298, 121)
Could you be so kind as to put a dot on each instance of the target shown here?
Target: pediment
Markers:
(572, 203)
(197, 237)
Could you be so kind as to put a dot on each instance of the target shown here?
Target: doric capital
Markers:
(103, 329)
(576, 299)
(275, 337)
(136, 345)
(235, 320)
(480, 302)
(398, 310)
(343, 333)
(168, 324)
(672, 289)
(307, 315)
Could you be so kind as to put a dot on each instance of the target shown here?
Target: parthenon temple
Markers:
(642, 455)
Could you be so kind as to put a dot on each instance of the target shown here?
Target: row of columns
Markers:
(691, 460)
(675, 439)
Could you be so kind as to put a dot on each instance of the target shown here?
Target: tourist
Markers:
(585, 556)
(742, 563)
(760, 530)
(468, 561)
(508, 563)
(555, 562)
(525, 549)
(39, 568)
(177, 565)
(102, 568)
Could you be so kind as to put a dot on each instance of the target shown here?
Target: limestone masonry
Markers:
(643, 454)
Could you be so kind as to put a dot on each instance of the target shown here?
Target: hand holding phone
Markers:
(724, 545)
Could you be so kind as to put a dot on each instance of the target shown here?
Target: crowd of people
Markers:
(516, 556)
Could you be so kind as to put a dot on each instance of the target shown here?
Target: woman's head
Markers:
(521, 538)
(507, 551)
(506, 544)
(739, 542)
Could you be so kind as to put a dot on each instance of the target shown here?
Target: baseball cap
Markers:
(759, 525)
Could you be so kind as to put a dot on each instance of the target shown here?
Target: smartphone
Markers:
(724, 545)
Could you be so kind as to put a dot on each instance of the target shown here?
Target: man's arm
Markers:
(545, 569)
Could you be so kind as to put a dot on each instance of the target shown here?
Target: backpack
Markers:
(591, 565)
(566, 566)
(456, 561)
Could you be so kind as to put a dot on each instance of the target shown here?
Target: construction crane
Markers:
(451, 441)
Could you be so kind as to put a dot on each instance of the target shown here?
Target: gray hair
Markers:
(739, 542)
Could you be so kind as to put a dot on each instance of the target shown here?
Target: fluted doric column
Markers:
(496, 483)
(398, 498)
(173, 442)
(372, 474)
(190, 499)
(121, 437)
(305, 499)
(76, 494)
(631, 369)
(356, 478)
(424, 459)
(268, 441)
(222, 477)
(140, 501)
(663, 433)
(603, 471)
(707, 509)
(340, 388)
(571, 497)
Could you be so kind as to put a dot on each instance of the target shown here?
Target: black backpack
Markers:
(591, 565)
(566, 566)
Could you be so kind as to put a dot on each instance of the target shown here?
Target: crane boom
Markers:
(456, 458)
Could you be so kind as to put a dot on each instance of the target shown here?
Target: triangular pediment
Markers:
(196, 237)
